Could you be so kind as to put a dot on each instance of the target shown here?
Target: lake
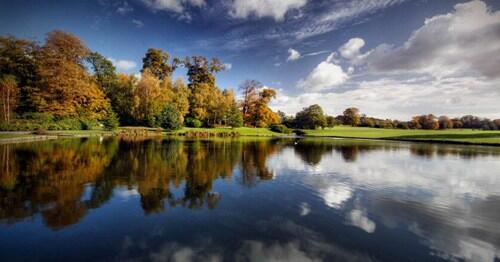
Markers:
(110, 199)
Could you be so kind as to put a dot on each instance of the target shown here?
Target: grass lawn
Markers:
(9, 135)
(467, 136)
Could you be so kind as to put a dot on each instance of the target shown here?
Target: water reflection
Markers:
(50, 178)
(254, 200)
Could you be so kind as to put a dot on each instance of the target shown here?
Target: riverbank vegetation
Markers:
(62, 85)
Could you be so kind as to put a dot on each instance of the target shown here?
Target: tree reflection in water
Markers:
(63, 179)
(51, 178)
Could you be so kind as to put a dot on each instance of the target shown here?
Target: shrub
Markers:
(41, 131)
(280, 129)
(170, 118)
(111, 122)
(193, 122)
(299, 132)
(89, 124)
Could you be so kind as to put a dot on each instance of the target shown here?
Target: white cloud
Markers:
(402, 99)
(177, 6)
(305, 209)
(123, 65)
(358, 219)
(351, 51)
(264, 8)
(124, 9)
(293, 54)
(340, 13)
(327, 75)
(465, 41)
(228, 66)
(137, 23)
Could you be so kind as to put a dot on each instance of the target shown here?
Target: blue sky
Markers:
(390, 58)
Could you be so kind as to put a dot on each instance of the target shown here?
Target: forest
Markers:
(62, 85)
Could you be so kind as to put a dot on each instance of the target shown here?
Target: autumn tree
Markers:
(149, 99)
(159, 64)
(65, 87)
(18, 57)
(204, 94)
(249, 90)
(445, 122)
(262, 115)
(311, 117)
(176, 95)
(8, 96)
(351, 116)
(429, 121)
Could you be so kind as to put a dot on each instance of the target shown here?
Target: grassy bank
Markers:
(462, 136)
(242, 131)
(465, 136)
(139, 131)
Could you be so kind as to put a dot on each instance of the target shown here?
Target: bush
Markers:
(299, 132)
(41, 131)
(170, 118)
(66, 124)
(193, 122)
(280, 129)
(111, 122)
(89, 124)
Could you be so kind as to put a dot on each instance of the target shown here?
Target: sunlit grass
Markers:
(453, 135)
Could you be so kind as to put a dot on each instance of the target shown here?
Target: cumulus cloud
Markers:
(264, 8)
(464, 41)
(177, 6)
(123, 65)
(351, 50)
(326, 75)
(293, 55)
(401, 99)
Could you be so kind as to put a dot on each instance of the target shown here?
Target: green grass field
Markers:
(466, 136)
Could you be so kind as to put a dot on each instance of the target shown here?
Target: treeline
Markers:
(64, 85)
(312, 117)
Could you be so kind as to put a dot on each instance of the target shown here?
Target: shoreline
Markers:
(23, 137)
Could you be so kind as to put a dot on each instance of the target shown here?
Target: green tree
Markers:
(104, 71)
(331, 121)
(19, 58)
(158, 63)
(170, 118)
(311, 117)
(122, 98)
(351, 116)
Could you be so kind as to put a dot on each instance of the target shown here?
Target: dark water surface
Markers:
(248, 200)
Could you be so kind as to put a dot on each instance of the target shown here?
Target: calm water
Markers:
(248, 200)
